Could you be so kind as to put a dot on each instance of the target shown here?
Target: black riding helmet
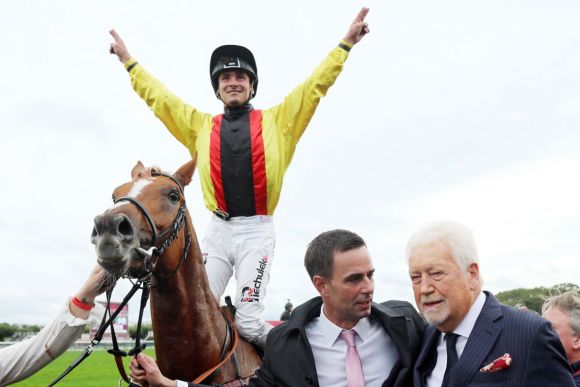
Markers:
(232, 57)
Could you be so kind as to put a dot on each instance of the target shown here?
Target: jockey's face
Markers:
(234, 88)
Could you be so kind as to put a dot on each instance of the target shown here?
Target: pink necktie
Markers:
(354, 373)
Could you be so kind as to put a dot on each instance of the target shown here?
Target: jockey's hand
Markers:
(119, 48)
(144, 370)
(358, 28)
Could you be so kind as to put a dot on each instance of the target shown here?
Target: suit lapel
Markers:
(485, 332)
(396, 327)
(429, 343)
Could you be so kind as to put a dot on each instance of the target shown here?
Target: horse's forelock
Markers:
(148, 173)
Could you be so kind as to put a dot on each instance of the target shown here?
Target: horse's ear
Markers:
(185, 172)
(138, 169)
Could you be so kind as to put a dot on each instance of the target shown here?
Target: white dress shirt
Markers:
(463, 330)
(376, 350)
(20, 360)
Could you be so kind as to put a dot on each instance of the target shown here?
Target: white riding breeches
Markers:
(245, 244)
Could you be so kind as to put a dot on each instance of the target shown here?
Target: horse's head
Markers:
(144, 215)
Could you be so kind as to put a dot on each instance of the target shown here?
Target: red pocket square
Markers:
(498, 364)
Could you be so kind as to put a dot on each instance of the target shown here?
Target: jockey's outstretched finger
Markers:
(115, 35)
(362, 14)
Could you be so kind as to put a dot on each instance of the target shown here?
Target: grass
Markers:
(98, 370)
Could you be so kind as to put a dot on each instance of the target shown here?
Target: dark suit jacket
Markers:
(289, 361)
(538, 358)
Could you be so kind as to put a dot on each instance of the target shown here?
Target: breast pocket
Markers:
(501, 378)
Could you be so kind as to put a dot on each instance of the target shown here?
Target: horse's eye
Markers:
(174, 197)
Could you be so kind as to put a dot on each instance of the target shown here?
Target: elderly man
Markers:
(472, 339)
(242, 156)
(563, 311)
(339, 339)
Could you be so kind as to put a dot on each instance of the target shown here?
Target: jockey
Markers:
(242, 156)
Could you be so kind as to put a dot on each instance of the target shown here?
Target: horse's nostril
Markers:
(125, 228)
(94, 233)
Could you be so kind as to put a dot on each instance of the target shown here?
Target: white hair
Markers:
(458, 238)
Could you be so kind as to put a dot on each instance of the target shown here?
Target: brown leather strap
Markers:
(121, 368)
(238, 382)
(207, 373)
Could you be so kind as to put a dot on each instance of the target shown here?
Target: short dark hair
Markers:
(319, 258)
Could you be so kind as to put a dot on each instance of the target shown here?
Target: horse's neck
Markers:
(187, 322)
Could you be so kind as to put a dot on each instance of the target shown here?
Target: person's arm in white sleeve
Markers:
(23, 359)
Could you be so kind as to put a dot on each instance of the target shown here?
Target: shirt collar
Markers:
(331, 331)
(466, 325)
(235, 112)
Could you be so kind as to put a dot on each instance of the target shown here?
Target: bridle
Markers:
(156, 249)
(143, 280)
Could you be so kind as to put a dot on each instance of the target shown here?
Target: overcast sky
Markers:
(462, 110)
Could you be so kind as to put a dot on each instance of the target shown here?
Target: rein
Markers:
(229, 354)
(105, 323)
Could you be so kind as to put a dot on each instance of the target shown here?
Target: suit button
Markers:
(308, 380)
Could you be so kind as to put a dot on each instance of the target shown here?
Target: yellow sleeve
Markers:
(182, 120)
(294, 114)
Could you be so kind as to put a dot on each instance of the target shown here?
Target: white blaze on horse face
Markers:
(137, 187)
(135, 190)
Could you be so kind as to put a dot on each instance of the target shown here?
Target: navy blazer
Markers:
(538, 357)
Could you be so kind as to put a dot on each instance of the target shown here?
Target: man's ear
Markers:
(576, 343)
(320, 285)
(473, 271)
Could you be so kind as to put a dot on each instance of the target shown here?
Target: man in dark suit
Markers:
(474, 340)
(310, 348)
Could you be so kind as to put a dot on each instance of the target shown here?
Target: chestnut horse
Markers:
(191, 334)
